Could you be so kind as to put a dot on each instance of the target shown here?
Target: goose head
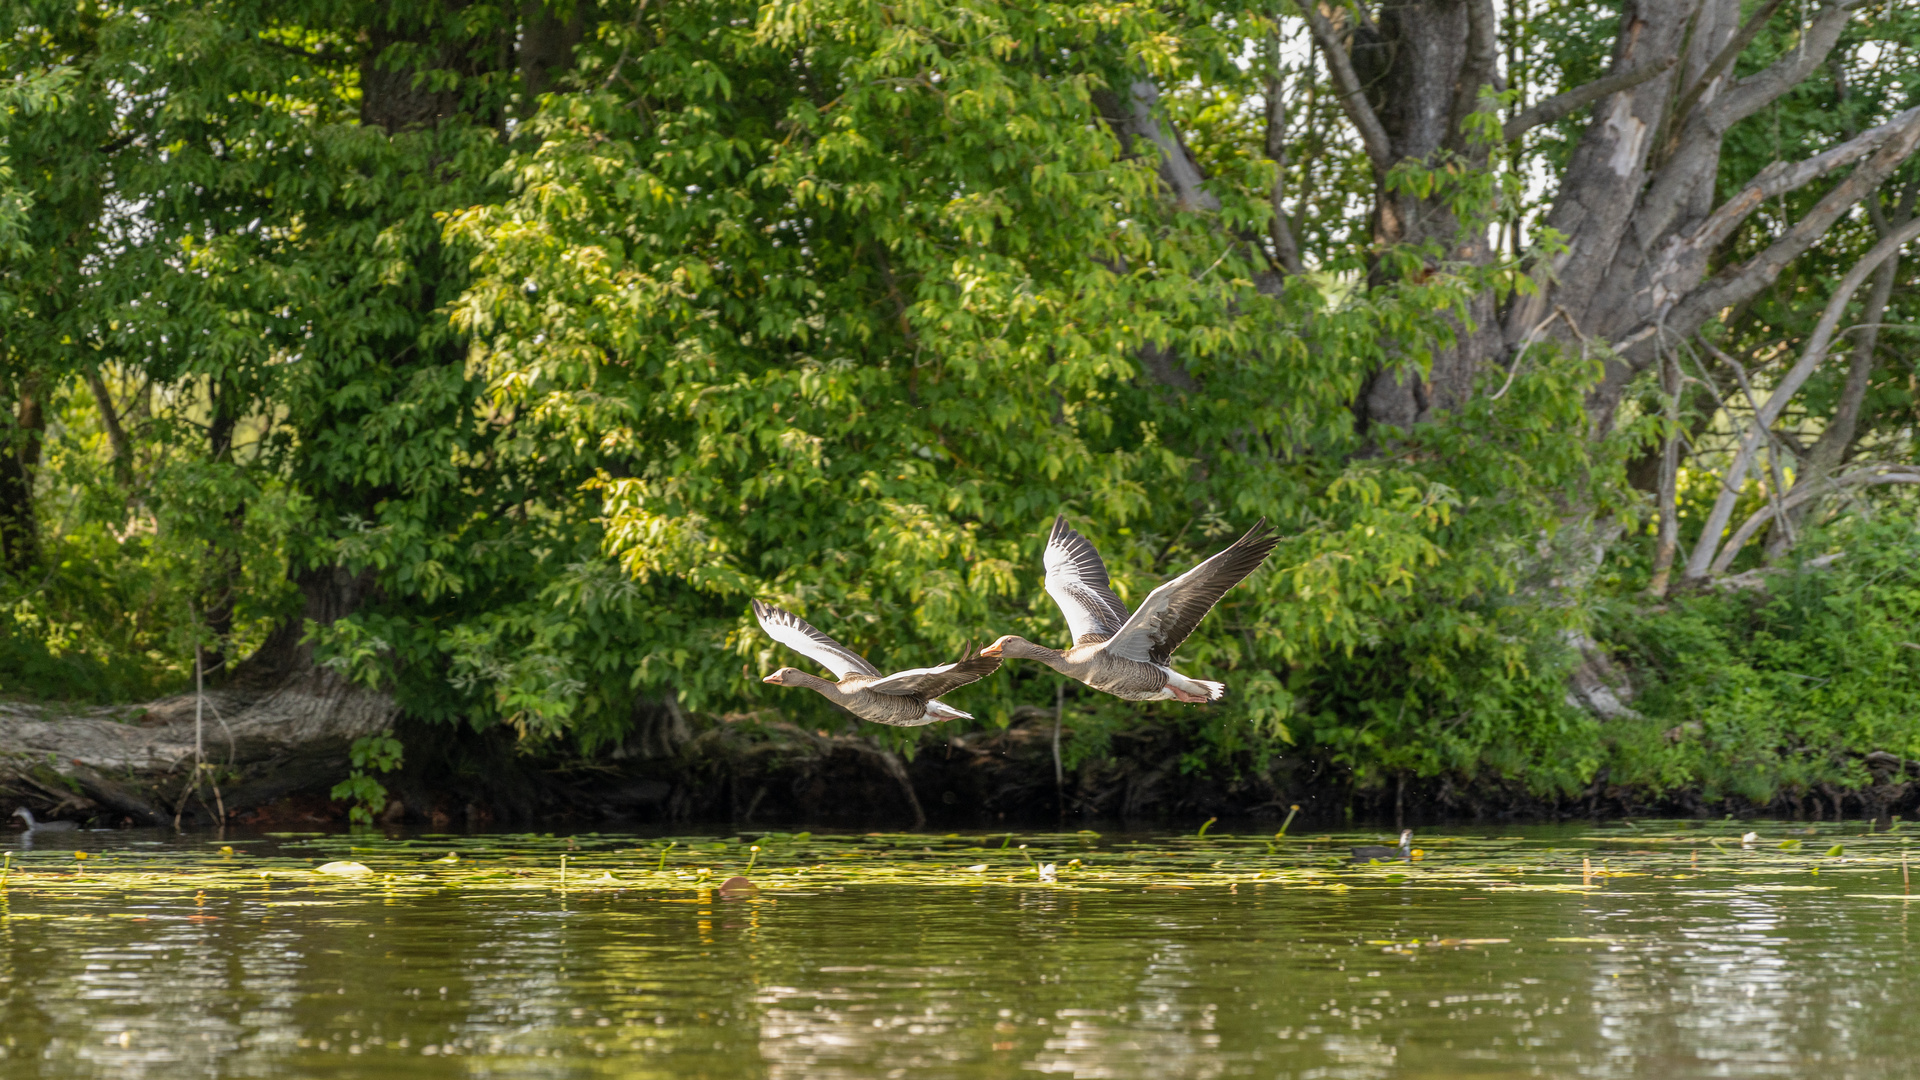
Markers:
(784, 677)
(25, 815)
(1020, 648)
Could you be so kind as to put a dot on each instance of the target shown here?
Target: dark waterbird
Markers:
(1382, 853)
(34, 826)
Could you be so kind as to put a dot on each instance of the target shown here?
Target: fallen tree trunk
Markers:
(280, 724)
(137, 763)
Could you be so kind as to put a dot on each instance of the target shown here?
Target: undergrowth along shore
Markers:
(1797, 697)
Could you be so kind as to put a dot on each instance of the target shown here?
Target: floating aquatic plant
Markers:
(301, 866)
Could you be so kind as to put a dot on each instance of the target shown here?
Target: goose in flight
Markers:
(903, 699)
(1127, 655)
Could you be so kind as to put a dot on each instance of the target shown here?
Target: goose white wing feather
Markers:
(934, 681)
(797, 634)
(1077, 581)
(908, 681)
(1169, 613)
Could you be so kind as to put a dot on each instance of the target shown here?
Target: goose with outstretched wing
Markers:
(1128, 654)
(904, 699)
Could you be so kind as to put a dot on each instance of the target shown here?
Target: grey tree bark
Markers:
(1636, 203)
(1835, 442)
(281, 721)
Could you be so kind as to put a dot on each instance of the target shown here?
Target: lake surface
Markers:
(1670, 951)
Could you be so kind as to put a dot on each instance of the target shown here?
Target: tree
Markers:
(523, 344)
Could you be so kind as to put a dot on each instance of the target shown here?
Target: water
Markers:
(1489, 958)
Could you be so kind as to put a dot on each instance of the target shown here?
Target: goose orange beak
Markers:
(992, 650)
(773, 678)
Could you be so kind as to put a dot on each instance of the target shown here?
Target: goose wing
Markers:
(1077, 581)
(1170, 612)
(931, 682)
(795, 633)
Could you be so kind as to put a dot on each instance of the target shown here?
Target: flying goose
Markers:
(1127, 655)
(903, 699)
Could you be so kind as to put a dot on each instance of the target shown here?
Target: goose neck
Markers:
(815, 682)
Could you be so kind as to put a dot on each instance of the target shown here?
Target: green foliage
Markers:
(379, 753)
(1755, 694)
(818, 301)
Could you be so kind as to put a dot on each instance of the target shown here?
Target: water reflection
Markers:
(1694, 978)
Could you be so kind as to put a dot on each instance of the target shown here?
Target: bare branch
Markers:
(1757, 91)
(1699, 563)
(1868, 476)
(1353, 99)
(1739, 282)
(1741, 39)
(1559, 105)
(1286, 249)
(1837, 435)
(1782, 176)
(1481, 67)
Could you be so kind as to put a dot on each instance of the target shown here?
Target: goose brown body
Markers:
(1089, 662)
(852, 694)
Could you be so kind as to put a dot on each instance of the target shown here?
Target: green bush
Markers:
(1759, 694)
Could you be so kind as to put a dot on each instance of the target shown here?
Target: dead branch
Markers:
(1700, 562)
(1739, 282)
(1782, 176)
(1353, 97)
(1561, 104)
(1827, 451)
(1868, 476)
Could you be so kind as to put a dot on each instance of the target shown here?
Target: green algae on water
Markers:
(318, 866)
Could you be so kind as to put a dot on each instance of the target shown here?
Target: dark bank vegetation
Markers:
(455, 374)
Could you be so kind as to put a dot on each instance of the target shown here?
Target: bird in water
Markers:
(34, 826)
(1128, 654)
(1382, 853)
(904, 699)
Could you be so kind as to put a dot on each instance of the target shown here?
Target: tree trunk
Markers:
(546, 49)
(1425, 66)
(223, 552)
(1635, 204)
(279, 720)
(20, 440)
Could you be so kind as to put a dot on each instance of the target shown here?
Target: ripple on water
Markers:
(913, 955)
